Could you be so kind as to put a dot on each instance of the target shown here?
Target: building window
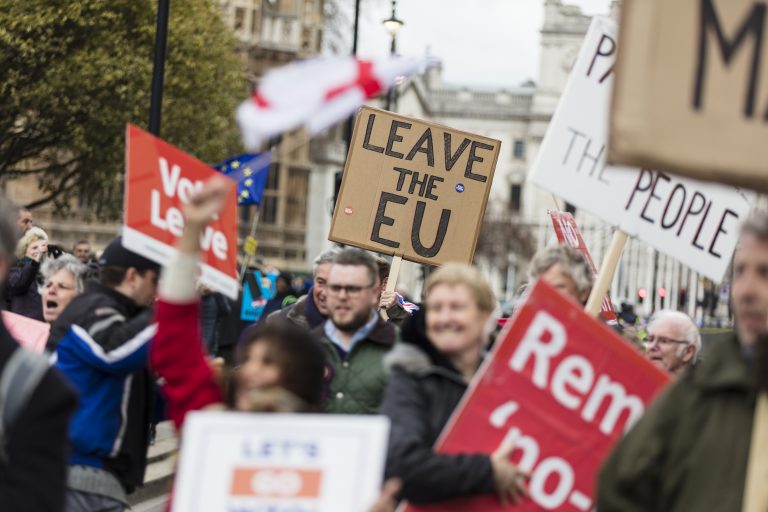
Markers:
(516, 198)
(239, 18)
(268, 210)
(254, 22)
(570, 208)
(296, 205)
(519, 149)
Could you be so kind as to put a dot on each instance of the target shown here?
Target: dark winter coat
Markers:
(420, 397)
(690, 449)
(356, 381)
(22, 289)
(104, 352)
(302, 313)
(34, 478)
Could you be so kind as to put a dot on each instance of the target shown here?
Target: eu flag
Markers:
(250, 171)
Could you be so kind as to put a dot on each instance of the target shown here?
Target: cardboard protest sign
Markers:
(280, 462)
(692, 221)
(28, 332)
(563, 387)
(691, 99)
(568, 233)
(413, 189)
(159, 179)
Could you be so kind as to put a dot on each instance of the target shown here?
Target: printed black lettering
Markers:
(450, 160)
(474, 158)
(367, 139)
(720, 229)
(424, 145)
(442, 228)
(382, 219)
(394, 137)
(753, 26)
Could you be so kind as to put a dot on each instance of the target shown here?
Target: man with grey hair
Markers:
(673, 341)
(311, 309)
(565, 269)
(37, 405)
(690, 449)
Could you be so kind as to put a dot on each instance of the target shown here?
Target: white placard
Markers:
(695, 222)
(243, 462)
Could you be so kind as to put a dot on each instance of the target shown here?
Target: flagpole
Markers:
(251, 236)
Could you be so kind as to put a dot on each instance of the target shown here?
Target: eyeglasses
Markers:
(662, 340)
(351, 290)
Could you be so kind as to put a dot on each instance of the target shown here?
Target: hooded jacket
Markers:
(423, 390)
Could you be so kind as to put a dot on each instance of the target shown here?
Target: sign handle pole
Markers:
(608, 268)
(252, 234)
(557, 203)
(394, 270)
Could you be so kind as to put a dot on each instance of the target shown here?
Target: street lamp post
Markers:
(393, 26)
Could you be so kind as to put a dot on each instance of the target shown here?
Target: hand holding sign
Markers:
(510, 479)
(203, 206)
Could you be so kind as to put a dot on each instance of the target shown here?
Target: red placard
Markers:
(568, 233)
(563, 387)
(159, 180)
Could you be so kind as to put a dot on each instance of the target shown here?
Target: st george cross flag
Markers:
(316, 93)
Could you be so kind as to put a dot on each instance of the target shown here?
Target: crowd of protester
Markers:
(126, 333)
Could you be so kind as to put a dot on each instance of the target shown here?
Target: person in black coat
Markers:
(430, 370)
(32, 477)
(24, 276)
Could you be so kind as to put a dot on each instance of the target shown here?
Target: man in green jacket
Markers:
(690, 450)
(355, 337)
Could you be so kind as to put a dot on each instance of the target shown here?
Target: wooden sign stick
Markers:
(607, 269)
(394, 270)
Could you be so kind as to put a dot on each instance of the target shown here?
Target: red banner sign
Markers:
(159, 180)
(568, 233)
(563, 387)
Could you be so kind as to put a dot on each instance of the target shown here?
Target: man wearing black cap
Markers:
(101, 341)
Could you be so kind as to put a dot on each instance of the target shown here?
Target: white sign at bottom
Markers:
(233, 461)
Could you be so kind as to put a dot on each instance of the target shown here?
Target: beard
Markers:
(350, 323)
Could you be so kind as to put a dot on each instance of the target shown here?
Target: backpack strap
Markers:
(19, 379)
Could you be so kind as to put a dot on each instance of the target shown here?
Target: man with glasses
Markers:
(690, 449)
(101, 341)
(673, 341)
(311, 309)
(355, 336)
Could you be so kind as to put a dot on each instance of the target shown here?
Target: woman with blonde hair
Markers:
(442, 349)
(24, 276)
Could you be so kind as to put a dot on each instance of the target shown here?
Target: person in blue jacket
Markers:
(101, 342)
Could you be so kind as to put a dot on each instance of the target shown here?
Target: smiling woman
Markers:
(429, 375)
(63, 281)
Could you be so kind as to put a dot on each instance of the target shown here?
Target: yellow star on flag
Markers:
(235, 164)
(248, 182)
(244, 193)
(247, 171)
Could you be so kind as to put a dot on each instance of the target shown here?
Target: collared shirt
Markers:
(333, 333)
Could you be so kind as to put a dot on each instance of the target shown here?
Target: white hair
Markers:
(69, 263)
(691, 332)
